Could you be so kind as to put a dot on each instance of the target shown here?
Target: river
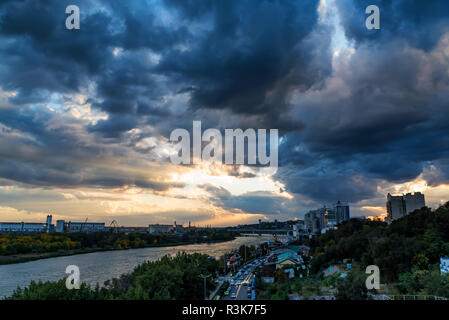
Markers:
(98, 267)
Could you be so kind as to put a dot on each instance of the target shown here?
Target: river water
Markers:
(97, 267)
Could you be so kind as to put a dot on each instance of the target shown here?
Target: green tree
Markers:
(352, 287)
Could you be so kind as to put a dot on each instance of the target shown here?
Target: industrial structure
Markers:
(170, 228)
(48, 227)
(160, 228)
(27, 227)
(87, 227)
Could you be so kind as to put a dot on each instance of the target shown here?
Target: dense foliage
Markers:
(57, 291)
(352, 287)
(39, 243)
(415, 241)
(280, 290)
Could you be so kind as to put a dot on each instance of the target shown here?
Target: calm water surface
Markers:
(98, 267)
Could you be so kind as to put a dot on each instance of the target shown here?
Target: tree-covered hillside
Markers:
(416, 241)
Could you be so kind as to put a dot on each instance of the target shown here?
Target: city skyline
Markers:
(86, 115)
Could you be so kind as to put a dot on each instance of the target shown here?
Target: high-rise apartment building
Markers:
(413, 202)
(400, 206)
(315, 220)
(341, 212)
(325, 218)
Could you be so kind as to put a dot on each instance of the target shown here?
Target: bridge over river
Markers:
(263, 231)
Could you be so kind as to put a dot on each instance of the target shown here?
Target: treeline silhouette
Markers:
(11, 244)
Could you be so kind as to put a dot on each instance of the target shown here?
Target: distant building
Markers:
(314, 220)
(330, 218)
(70, 226)
(22, 227)
(395, 207)
(160, 228)
(179, 229)
(27, 227)
(295, 231)
(400, 206)
(59, 225)
(85, 227)
(326, 218)
(288, 259)
(413, 202)
(48, 226)
(128, 230)
(341, 212)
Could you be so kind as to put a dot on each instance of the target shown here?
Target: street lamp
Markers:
(245, 253)
(224, 261)
(204, 278)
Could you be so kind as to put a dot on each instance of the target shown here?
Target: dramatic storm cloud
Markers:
(383, 113)
(85, 115)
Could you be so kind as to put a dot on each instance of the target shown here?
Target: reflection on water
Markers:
(98, 267)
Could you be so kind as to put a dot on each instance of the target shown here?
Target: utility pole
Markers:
(245, 254)
(204, 278)
(224, 263)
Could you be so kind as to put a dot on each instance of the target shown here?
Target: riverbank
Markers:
(26, 257)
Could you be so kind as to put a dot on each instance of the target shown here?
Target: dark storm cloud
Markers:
(36, 152)
(69, 175)
(251, 202)
(41, 56)
(114, 125)
(419, 22)
(383, 114)
(254, 52)
(437, 173)
(328, 186)
(378, 112)
(241, 56)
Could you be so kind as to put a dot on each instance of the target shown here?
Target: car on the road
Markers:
(249, 290)
(233, 295)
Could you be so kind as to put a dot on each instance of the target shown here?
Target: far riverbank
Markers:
(26, 257)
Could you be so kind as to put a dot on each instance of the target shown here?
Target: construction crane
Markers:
(82, 226)
(114, 226)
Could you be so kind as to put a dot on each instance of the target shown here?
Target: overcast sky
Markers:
(86, 115)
